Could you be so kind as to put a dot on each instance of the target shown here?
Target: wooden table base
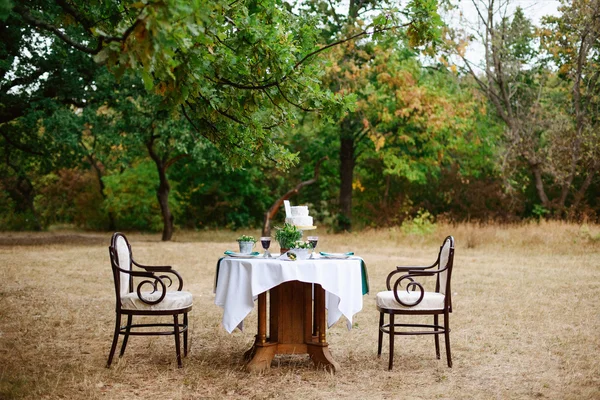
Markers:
(296, 326)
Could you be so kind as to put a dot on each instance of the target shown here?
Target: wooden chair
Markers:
(408, 297)
(150, 297)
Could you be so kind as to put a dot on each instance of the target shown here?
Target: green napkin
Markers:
(253, 254)
(350, 253)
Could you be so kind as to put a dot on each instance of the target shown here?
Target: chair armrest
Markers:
(153, 268)
(403, 268)
(144, 274)
(407, 268)
(158, 283)
(156, 268)
(411, 270)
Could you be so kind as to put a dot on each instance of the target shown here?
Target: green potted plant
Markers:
(246, 243)
(287, 236)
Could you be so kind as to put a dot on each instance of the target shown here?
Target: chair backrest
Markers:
(120, 254)
(445, 260)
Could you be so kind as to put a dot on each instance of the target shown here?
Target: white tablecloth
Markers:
(241, 280)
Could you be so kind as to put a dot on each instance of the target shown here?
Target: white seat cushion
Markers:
(172, 301)
(431, 300)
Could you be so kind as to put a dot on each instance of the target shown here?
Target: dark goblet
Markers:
(313, 240)
(266, 243)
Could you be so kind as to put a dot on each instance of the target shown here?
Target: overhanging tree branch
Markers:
(185, 114)
(38, 23)
(69, 8)
(20, 146)
(266, 92)
(294, 104)
(175, 159)
(223, 113)
(226, 81)
(23, 80)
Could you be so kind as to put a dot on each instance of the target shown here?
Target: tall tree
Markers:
(164, 134)
(520, 84)
(37, 79)
(573, 41)
(415, 121)
(418, 22)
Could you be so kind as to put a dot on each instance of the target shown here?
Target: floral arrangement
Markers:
(246, 238)
(299, 244)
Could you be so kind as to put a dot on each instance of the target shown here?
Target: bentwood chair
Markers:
(149, 298)
(406, 296)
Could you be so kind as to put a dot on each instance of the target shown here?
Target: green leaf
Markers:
(148, 80)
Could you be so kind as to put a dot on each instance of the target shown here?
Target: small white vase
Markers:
(301, 254)
(246, 247)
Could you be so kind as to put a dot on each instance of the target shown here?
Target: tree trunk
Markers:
(23, 194)
(163, 199)
(580, 194)
(347, 163)
(26, 191)
(162, 192)
(111, 217)
(539, 185)
(347, 147)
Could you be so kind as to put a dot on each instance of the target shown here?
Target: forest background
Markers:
(158, 115)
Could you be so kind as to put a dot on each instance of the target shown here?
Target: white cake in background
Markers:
(300, 216)
(299, 211)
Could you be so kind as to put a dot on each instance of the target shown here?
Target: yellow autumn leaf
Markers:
(378, 140)
(356, 185)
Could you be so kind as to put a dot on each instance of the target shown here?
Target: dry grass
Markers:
(525, 325)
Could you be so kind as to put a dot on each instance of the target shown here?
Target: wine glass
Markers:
(265, 241)
(313, 240)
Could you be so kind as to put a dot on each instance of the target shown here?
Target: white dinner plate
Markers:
(335, 255)
(242, 255)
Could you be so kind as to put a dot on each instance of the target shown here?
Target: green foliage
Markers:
(70, 196)
(425, 26)
(287, 236)
(539, 212)
(422, 224)
(246, 238)
(240, 70)
(24, 220)
(213, 195)
(131, 197)
(5, 7)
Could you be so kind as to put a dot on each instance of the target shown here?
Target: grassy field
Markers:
(526, 321)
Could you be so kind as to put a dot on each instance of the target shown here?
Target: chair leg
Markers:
(177, 344)
(392, 335)
(447, 337)
(113, 347)
(380, 342)
(185, 334)
(126, 338)
(436, 337)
